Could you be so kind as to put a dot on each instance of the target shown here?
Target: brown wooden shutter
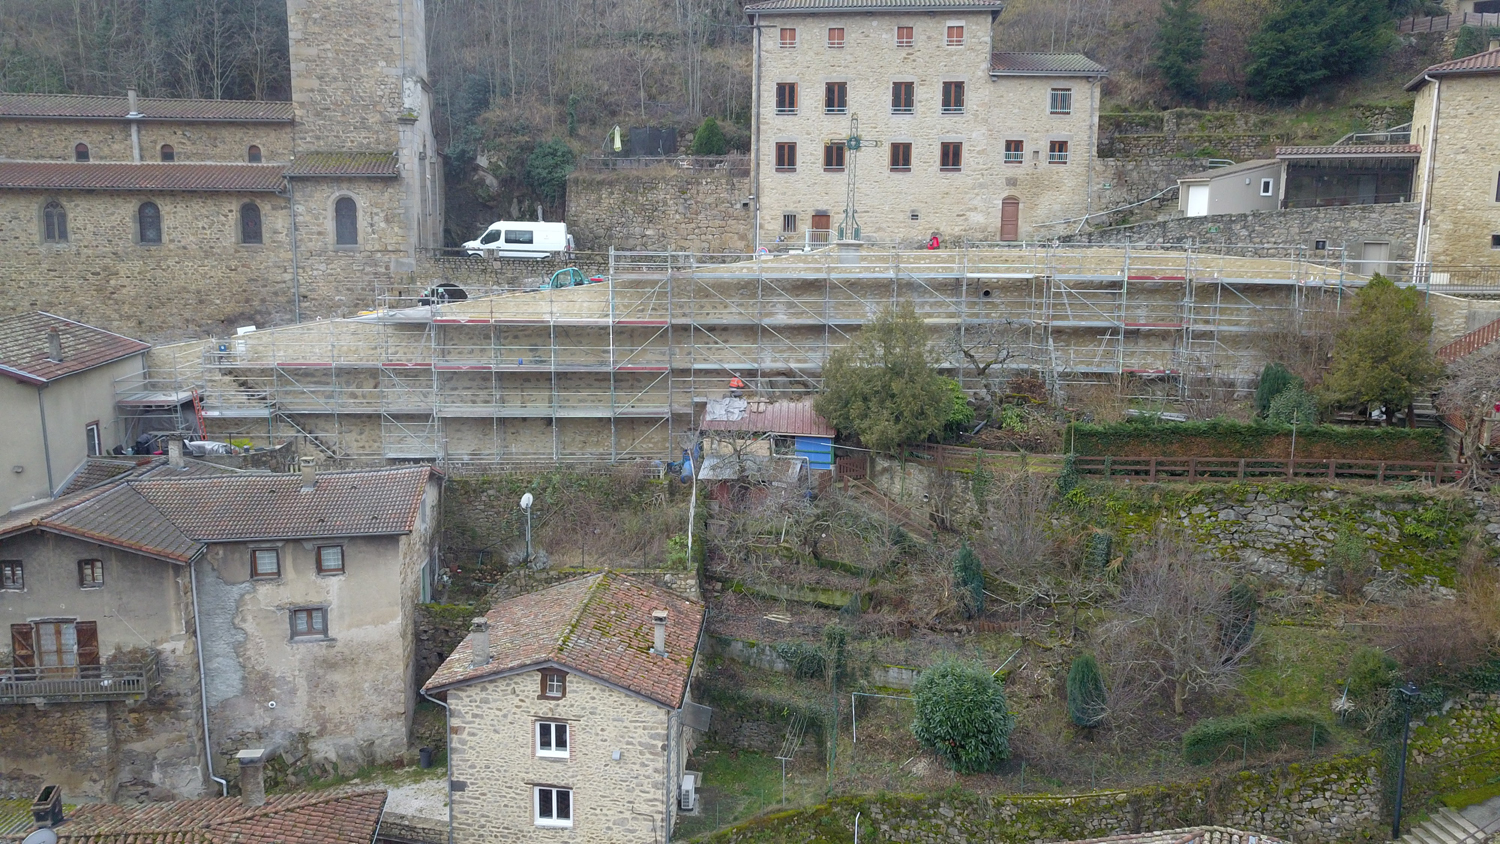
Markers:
(22, 650)
(88, 647)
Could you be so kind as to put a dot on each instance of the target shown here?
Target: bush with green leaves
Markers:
(1087, 699)
(1273, 379)
(805, 659)
(1347, 567)
(1293, 406)
(968, 581)
(1098, 550)
(1219, 738)
(547, 169)
(962, 715)
(709, 138)
(884, 387)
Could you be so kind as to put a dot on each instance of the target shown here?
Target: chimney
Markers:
(54, 346)
(1494, 44)
(659, 619)
(479, 642)
(46, 809)
(309, 476)
(252, 776)
(130, 95)
(174, 453)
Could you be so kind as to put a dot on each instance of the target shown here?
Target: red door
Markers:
(821, 223)
(1010, 218)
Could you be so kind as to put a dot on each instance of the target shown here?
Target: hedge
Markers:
(1214, 738)
(1148, 437)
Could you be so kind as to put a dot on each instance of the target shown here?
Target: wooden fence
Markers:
(1159, 469)
(1470, 343)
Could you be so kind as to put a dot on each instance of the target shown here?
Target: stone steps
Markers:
(1446, 827)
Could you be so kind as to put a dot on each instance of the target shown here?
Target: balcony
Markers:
(84, 684)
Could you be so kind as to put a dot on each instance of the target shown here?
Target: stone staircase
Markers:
(1447, 827)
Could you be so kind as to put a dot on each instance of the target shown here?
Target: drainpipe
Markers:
(755, 136)
(1093, 152)
(1423, 227)
(208, 749)
(447, 751)
(41, 410)
(291, 204)
(135, 125)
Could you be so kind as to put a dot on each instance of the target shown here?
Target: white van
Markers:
(520, 240)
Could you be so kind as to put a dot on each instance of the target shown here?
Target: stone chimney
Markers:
(252, 776)
(309, 475)
(479, 642)
(174, 453)
(54, 346)
(130, 96)
(659, 620)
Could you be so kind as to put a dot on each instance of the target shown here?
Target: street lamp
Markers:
(1409, 691)
(526, 506)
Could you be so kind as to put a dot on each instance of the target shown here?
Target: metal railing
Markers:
(1348, 199)
(1443, 23)
(86, 683)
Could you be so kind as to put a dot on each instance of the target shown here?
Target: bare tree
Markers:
(1301, 338)
(989, 348)
(1468, 397)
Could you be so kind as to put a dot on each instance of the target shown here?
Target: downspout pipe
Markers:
(447, 752)
(755, 150)
(41, 411)
(1423, 227)
(208, 746)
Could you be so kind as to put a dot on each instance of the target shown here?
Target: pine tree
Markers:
(1273, 379)
(968, 579)
(883, 386)
(709, 139)
(1179, 46)
(1304, 42)
(1087, 703)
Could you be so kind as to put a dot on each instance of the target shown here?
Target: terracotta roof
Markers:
(1352, 151)
(94, 471)
(376, 164)
(85, 107)
(782, 417)
(306, 818)
(599, 625)
(811, 6)
(73, 175)
(1044, 64)
(1486, 62)
(24, 351)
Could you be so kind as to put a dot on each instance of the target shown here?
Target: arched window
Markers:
(250, 231)
(54, 222)
(168, 152)
(81, 152)
(252, 154)
(148, 216)
(345, 222)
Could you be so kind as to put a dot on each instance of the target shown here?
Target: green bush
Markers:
(547, 169)
(1216, 738)
(968, 580)
(1304, 42)
(1372, 674)
(960, 412)
(962, 715)
(1273, 379)
(1151, 437)
(709, 138)
(1098, 552)
(1294, 405)
(1087, 702)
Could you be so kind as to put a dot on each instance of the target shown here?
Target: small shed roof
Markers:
(787, 418)
(1044, 64)
(1351, 151)
(1242, 167)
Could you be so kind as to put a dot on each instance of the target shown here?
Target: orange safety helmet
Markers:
(736, 383)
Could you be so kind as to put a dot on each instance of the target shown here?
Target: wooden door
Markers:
(56, 647)
(22, 652)
(821, 224)
(1010, 218)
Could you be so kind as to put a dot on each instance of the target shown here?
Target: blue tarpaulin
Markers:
(817, 450)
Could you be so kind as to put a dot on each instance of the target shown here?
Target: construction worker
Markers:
(736, 387)
(934, 243)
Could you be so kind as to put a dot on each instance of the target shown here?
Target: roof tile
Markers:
(73, 175)
(1044, 64)
(24, 350)
(90, 107)
(1351, 151)
(1486, 62)
(376, 164)
(813, 6)
(791, 418)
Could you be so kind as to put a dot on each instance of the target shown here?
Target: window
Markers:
(1497, 188)
(903, 97)
(953, 98)
(786, 98)
(345, 222)
(81, 152)
(901, 158)
(955, 35)
(1057, 152)
(554, 685)
(788, 223)
(250, 230)
(905, 36)
(265, 562)
(786, 157)
(520, 236)
(554, 806)
(58, 648)
(91, 439)
(833, 156)
(148, 222)
(168, 152)
(12, 575)
(913, 215)
(1320, 245)
(1495, 241)
(330, 559)
(552, 739)
(1266, 186)
(1015, 152)
(1061, 101)
(952, 157)
(835, 38)
(90, 574)
(54, 222)
(252, 154)
(788, 38)
(836, 98)
(309, 623)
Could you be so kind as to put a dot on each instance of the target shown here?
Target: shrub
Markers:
(1348, 567)
(960, 412)
(883, 386)
(968, 580)
(1087, 704)
(709, 139)
(806, 660)
(1372, 674)
(1097, 553)
(1215, 738)
(1273, 379)
(1293, 406)
(547, 169)
(962, 715)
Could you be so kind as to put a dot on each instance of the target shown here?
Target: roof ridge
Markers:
(51, 315)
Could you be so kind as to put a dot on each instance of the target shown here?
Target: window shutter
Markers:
(88, 642)
(22, 646)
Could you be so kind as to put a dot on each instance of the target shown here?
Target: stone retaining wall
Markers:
(660, 208)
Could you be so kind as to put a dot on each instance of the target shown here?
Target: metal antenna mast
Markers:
(849, 228)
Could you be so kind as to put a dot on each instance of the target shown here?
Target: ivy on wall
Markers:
(1148, 437)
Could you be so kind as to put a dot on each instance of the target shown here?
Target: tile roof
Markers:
(598, 625)
(1486, 62)
(24, 352)
(76, 106)
(94, 471)
(812, 6)
(377, 164)
(74, 175)
(1044, 64)
(782, 417)
(1352, 151)
(305, 818)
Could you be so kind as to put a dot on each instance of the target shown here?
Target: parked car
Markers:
(512, 239)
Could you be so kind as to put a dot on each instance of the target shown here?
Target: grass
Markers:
(1295, 668)
(1470, 796)
(740, 784)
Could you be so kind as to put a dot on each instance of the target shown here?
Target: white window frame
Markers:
(909, 42)
(948, 40)
(536, 806)
(1267, 187)
(550, 728)
(94, 439)
(1053, 97)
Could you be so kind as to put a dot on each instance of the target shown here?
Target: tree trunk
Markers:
(1411, 415)
(1179, 697)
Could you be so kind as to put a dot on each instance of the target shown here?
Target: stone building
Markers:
(57, 400)
(286, 600)
(570, 714)
(1458, 175)
(165, 217)
(972, 143)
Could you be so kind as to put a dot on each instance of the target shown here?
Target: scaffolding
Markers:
(610, 371)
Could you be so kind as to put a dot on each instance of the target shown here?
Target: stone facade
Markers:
(660, 208)
(907, 207)
(218, 142)
(1464, 162)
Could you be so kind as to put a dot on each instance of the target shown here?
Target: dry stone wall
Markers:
(660, 208)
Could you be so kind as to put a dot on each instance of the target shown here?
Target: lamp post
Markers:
(526, 506)
(1409, 691)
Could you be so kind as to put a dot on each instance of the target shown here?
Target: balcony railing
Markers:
(84, 684)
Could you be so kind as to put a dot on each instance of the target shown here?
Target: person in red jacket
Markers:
(934, 243)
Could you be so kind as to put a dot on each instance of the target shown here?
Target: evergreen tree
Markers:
(1179, 46)
(962, 715)
(547, 169)
(883, 387)
(709, 138)
(968, 580)
(1294, 406)
(1304, 42)
(1086, 695)
(1383, 355)
(1273, 379)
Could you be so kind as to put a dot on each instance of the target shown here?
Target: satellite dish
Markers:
(525, 505)
(41, 836)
